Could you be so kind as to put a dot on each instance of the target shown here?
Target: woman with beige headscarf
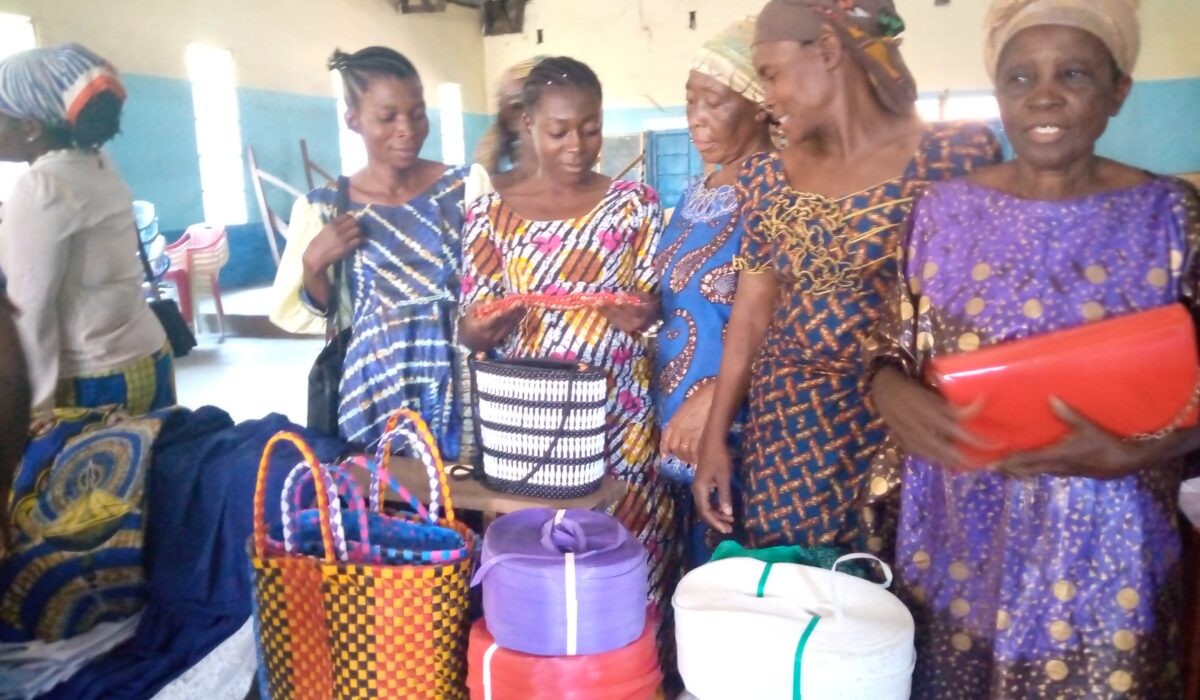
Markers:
(695, 256)
(1053, 573)
(820, 225)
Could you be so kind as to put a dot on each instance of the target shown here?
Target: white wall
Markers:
(279, 45)
(642, 48)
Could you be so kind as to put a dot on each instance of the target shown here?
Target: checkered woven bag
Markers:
(541, 425)
(332, 628)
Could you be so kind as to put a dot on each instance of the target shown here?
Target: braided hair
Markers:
(358, 69)
(559, 72)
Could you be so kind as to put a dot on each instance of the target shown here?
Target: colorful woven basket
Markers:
(339, 629)
(541, 426)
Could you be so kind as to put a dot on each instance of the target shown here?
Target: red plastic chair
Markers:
(196, 261)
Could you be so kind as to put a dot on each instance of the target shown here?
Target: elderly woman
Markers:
(68, 241)
(1055, 573)
(821, 225)
(695, 257)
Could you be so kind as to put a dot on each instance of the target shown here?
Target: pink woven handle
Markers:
(377, 480)
(408, 424)
(338, 482)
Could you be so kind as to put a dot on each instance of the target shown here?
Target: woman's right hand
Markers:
(924, 424)
(337, 239)
(483, 334)
(715, 471)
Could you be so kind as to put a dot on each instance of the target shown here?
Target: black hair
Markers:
(559, 72)
(359, 68)
(98, 121)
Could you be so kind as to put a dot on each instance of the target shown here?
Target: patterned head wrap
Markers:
(726, 58)
(870, 29)
(1114, 22)
(51, 85)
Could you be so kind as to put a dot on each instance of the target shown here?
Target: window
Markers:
(454, 148)
(350, 145)
(218, 133)
(946, 108)
(16, 34)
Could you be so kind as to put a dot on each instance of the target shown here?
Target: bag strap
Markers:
(333, 309)
(562, 425)
(146, 271)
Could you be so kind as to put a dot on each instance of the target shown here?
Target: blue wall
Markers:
(1159, 128)
(156, 151)
(1155, 131)
(156, 154)
(273, 123)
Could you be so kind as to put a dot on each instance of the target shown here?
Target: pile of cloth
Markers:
(198, 516)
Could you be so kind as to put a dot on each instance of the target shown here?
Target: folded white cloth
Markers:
(32, 668)
(225, 674)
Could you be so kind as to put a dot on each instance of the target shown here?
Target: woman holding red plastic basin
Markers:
(1053, 572)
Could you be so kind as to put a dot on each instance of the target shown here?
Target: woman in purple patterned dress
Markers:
(1054, 574)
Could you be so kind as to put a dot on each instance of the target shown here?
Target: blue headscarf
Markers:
(51, 85)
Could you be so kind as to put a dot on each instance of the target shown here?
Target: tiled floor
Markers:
(248, 377)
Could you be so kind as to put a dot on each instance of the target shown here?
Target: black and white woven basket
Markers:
(540, 426)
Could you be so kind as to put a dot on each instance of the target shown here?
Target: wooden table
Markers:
(471, 494)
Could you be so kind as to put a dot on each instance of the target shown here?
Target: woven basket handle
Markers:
(381, 477)
(260, 494)
(408, 424)
(338, 482)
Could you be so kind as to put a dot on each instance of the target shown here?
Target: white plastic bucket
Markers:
(734, 643)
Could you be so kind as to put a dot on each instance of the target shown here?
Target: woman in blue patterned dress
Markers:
(695, 258)
(400, 239)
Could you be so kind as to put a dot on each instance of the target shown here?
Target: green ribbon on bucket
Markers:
(812, 624)
(800, 655)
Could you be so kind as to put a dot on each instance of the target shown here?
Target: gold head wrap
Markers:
(1114, 22)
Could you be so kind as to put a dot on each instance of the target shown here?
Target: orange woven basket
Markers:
(331, 629)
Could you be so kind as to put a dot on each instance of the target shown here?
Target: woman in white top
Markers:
(67, 238)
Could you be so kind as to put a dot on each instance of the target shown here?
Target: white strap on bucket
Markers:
(572, 596)
(487, 670)
(835, 590)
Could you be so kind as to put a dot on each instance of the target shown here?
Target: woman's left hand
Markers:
(1089, 451)
(633, 318)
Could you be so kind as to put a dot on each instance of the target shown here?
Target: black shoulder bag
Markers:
(325, 377)
(179, 334)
